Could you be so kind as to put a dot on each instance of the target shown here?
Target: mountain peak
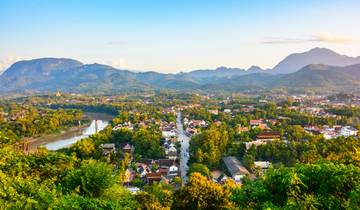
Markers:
(323, 51)
(254, 68)
(320, 49)
(296, 61)
(222, 68)
(40, 66)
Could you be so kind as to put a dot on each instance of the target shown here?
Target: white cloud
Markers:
(330, 38)
(118, 63)
(8, 61)
(324, 37)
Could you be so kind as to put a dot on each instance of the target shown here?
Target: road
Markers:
(184, 154)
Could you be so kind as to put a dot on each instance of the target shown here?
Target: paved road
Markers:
(184, 154)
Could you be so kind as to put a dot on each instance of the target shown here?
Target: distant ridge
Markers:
(68, 75)
(296, 61)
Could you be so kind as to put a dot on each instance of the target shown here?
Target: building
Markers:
(347, 131)
(241, 129)
(256, 143)
(153, 177)
(133, 190)
(173, 171)
(165, 163)
(227, 111)
(142, 169)
(127, 148)
(234, 167)
(256, 122)
(58, 94)
(107, 149)
(268, 136)
(214, 111)
(262, 164)
(172, 155)
(169, 134)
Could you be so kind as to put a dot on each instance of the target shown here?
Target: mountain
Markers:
(202, 76)
(68, 75)
(52, 74)
(313, 78)
(319, 78)
(255, 69)
(296, 61)
(27, 72)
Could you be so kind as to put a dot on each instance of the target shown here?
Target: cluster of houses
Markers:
(127, 125)
(332, 132)
(170, 134)
(161, 170)
(149, 170)
(192, 126)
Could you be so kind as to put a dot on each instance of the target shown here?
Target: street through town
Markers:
(184, 154)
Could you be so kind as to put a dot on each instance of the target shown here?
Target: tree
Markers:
(162, 193)
(199, 168)
(84, 148)
(306, 186)
(201, 193)
(248, 161)
(91, 179)
(121, 197)
(209, 146)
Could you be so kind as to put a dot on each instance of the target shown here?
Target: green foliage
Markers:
(28, 121)
(309, 172)
(209, 146)
(200, 193)
(325, 186)
(91, 179)
(316, 149)
(161, 193)
(148, 143)
(199, 168)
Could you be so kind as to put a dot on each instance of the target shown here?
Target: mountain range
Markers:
(318, 70)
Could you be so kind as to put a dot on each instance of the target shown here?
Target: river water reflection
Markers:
(67, 138)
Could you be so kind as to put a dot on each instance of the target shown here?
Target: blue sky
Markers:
(172, 36)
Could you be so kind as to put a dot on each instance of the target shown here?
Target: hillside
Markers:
(310, 79)
(296, 61)
(68, 75)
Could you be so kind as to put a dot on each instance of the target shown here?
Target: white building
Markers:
(173, 170)
(227, 110)
(347, 131)
(262, 164)
(169, 134)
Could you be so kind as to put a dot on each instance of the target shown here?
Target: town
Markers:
(155, 139)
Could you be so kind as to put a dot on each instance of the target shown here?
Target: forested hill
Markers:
(68, 75)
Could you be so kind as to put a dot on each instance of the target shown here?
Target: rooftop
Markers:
(234, 166)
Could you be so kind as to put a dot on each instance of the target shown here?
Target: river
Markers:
(66, 138)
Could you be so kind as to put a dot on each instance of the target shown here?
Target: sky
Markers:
(175, 35)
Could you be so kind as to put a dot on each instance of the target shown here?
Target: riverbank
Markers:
(35, 142)
(71, 135)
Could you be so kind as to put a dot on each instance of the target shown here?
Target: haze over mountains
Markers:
(318, 70)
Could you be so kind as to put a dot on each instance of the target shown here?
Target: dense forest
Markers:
(25, 120)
